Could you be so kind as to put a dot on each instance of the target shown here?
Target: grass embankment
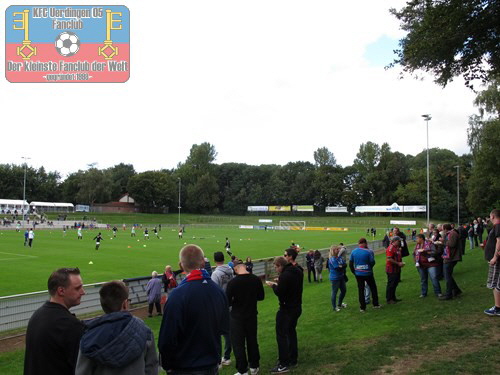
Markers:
(187, 219)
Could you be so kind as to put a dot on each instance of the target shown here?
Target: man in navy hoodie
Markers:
(196, 315)
(117, 342)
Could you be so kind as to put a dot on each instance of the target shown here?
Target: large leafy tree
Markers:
(449, 38)
(94, 186)
(328, 179)
(366, 177)
(120, 175)
(198, 169)
(483, 139)
(153, 190)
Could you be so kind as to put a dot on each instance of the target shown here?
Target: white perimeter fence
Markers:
(15, 311)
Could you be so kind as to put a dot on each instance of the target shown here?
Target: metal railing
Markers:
(16, 310)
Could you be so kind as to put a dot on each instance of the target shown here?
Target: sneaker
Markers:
(423, 296)
(492, 312)
(344, 305)
(225, 362)
(254, 371)
(337, 309)
(377, 306)
(362, 310)
(279, 369)
(239, 373)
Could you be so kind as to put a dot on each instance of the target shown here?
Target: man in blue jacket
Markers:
(117, 342)
(361, 264)
(196, 315)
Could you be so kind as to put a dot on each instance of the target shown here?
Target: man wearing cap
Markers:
(361, 264)
(243, 292)
(393, 267)
(221, 276)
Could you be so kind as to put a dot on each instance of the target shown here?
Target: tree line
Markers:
(378, 176)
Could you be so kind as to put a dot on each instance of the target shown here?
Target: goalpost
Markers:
(292, 225)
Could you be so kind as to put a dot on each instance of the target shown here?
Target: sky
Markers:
(265, 82)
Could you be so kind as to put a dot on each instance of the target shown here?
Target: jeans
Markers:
(245, 330)
(336, 285)
(370, 280)
(286, 335)
(392, 284)
(451, 286)
(471, 241)
(424, 276)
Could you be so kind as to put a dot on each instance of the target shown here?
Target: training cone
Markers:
(91, 262)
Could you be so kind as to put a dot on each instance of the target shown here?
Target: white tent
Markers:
(52, 206)
(13, 204)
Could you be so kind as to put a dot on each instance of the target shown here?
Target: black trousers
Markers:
(370, 280)
(309, 271)
(157, 305)
(244, 331)
(452, 289)
(286, 335)
(392, 284)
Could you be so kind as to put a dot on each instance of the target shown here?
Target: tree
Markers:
(201, 157)
(120, 175)
(449, 38)
(483, 139)
(94, 186)
(203, 195)
(154, 191)
(365, 165)
(199, 166)
(324, 157)
(484, 186)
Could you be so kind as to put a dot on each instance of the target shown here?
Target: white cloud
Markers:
(264, 81)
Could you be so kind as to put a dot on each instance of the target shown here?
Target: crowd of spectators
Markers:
(207, 304)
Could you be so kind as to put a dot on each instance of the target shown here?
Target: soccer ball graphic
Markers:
(67, 43)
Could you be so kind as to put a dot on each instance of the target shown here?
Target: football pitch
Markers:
(26, 269)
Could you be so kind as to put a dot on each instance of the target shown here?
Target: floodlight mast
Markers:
(427, 118)
(24, 186)
(179, 201)
(458, 194)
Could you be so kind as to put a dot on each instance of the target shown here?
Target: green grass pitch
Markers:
(25, 269)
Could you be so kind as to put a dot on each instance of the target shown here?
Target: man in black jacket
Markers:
(53, 334)
(243, 292)
(289, 292)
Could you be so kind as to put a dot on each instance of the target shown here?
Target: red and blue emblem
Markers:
(78, 43)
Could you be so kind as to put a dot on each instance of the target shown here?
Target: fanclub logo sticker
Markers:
(56, 43)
